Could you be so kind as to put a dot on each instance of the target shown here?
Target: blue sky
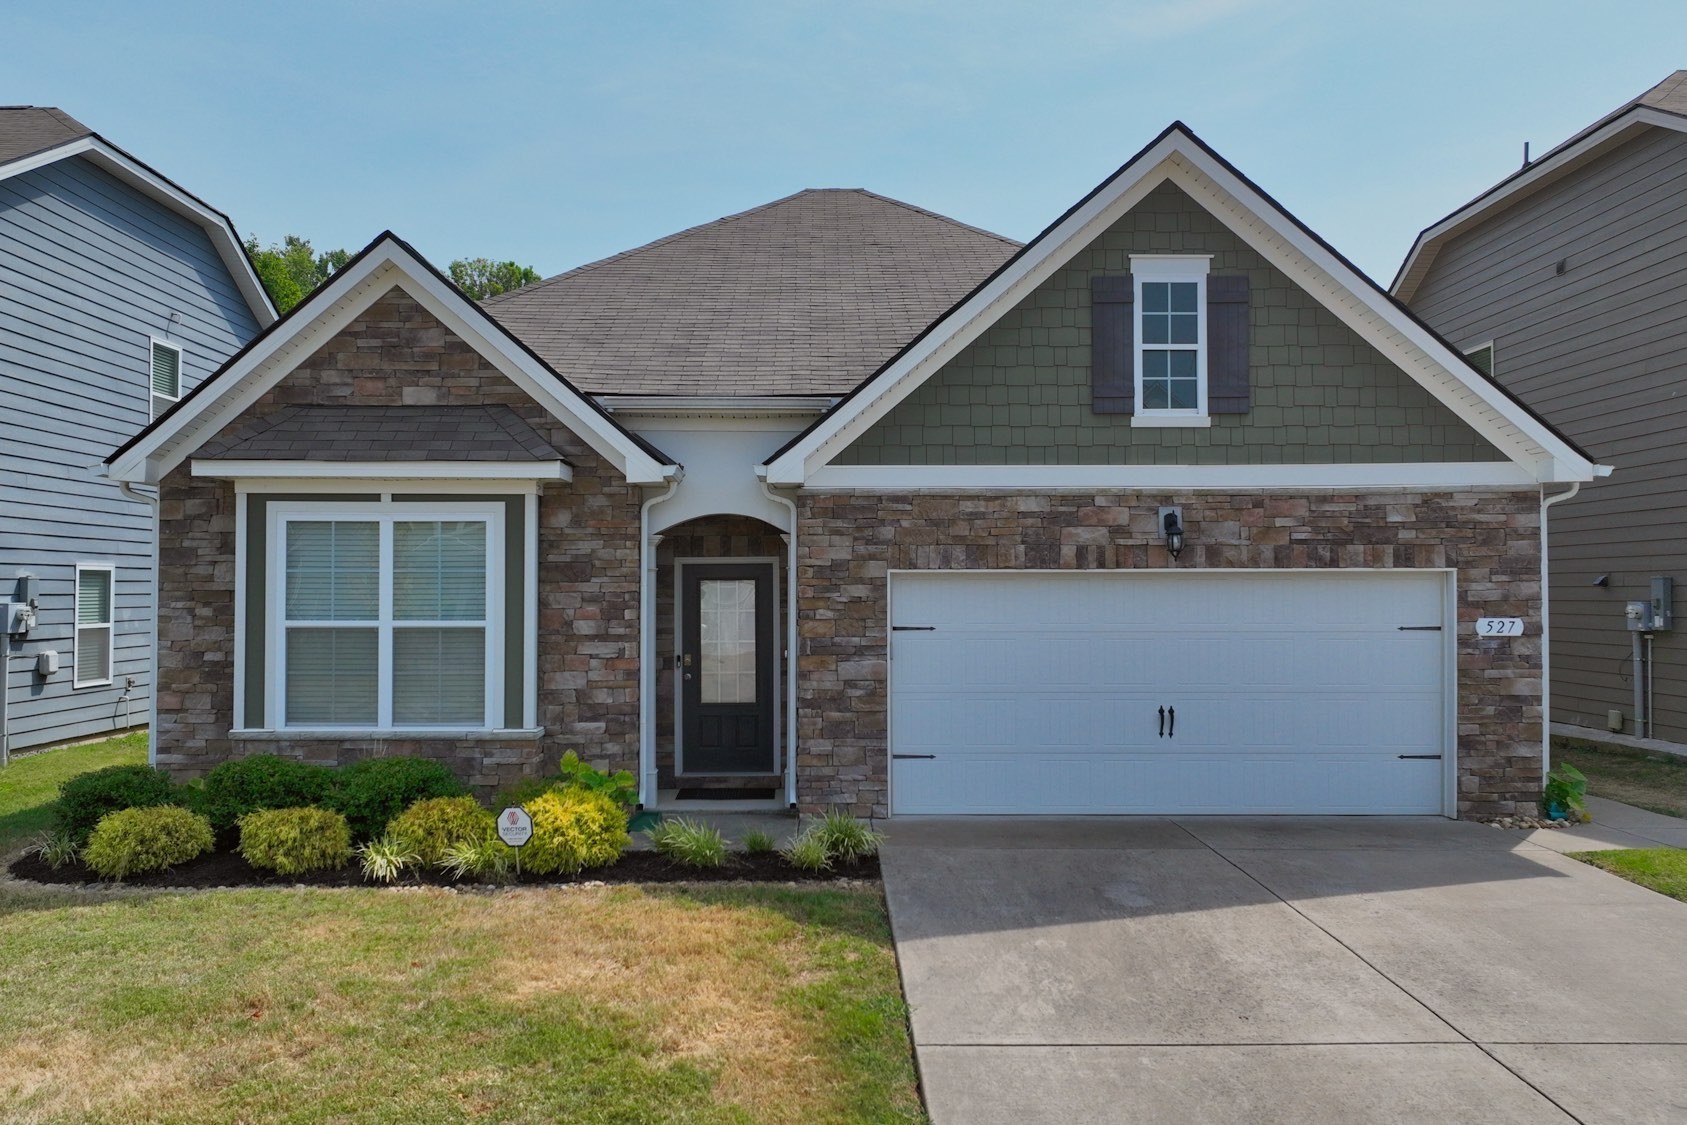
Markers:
(558, 133)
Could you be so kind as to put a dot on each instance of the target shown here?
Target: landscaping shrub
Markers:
(689, 843)
(1565, 795)
(523, 791)
(572, 829)
(758, 843)
(620, 786)
(371, 792)
(56, 848)
(846, 838)
(384, 860)
(488, 859)
(293, 841)
(429, 828)
(150, 838)
(86, 800)
(262, 781)
(808, 852)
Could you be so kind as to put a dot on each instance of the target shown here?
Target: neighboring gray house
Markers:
(1568, 280)
(119, 291)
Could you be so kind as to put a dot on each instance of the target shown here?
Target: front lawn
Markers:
(1662, 869)
(583, 1004)
(1633, 777)
(31, 784)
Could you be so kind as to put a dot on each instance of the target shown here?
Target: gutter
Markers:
(1546, 626)
(647, 645)
(790, 644)
(150, 499)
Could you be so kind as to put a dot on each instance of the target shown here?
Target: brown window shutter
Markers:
(1227, 345)
(1112, 354)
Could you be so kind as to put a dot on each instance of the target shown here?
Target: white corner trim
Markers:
(126, 168)
(1179, 158)
(1540, 173)
(1037, 478)
(382, 470)
(346, 296)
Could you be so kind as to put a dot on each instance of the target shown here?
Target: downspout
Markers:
(647, 647)
(1546, 635)
(151, 501)
(790, 645)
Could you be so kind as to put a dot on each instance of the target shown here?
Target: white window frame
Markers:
(385, 513)
(152, 396)
(1158, 269)
(110, 627)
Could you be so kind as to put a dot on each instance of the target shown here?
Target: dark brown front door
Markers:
(726, 668)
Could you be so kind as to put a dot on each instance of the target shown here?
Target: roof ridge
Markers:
(653, 244)
(930, 214)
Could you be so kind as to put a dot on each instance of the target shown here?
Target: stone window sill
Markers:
(411, 734)
(1172, 421)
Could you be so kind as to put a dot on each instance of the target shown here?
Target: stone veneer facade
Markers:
(397, 354)
(849, 541)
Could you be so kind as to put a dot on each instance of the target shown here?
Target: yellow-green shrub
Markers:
(135, 841)
(432, 827)
(572, 829)
(293, 841)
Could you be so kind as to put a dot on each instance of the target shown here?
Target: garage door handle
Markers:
(1162, 733)
(1421, 757)
(1171, 727)
(901, 756)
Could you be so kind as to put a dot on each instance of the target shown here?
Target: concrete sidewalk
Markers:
(1283, 970)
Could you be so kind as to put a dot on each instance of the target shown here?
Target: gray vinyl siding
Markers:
(1599, 351)
(90, 271)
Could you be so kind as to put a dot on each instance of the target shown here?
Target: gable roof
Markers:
(1663, 106)
(386, 262)
(806, 295)
(34, 136)
(1178, 155)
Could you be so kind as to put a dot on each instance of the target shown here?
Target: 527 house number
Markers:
(1499, 626)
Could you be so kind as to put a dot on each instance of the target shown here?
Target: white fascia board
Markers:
(382, 470)
(215, 224)
(1548, 168)
(346, 297)
(970, 321)
(1437, 367)
(1178, 478)
(674, 405)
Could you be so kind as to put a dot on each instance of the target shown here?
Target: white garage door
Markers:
(1276, 692)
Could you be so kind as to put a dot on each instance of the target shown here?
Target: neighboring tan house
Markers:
(837, 502)
(119, 292)
(1566, 281)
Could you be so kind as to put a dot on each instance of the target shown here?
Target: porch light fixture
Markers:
(1171, 523)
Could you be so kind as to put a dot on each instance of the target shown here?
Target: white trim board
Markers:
(113, 160)
(1434, 474)
(1179, 157)
(1553, 166)
(382, 470)
(385, 264)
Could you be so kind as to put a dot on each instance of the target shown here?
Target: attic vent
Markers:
(166, 376)
(1483, 358)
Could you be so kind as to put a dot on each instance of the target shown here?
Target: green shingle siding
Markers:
(1019, 394)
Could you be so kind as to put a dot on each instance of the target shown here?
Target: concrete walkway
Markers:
(1283, 970)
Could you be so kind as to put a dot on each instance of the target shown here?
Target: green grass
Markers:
(586, 1004)
(1633, 777)
(30, 785)
(1662, 869)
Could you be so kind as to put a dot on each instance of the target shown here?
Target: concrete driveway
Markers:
(1299, 970)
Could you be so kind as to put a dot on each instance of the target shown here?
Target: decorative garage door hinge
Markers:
(913, 756)
(1421, 757)
(1419, 628)
(913, 628)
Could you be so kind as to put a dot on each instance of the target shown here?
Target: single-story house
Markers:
(840, 503)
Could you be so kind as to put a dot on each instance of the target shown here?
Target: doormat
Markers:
(724, 795)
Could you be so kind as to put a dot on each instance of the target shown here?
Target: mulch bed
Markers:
(228, 869)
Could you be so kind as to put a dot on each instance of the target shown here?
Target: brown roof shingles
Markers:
(384, 433)
(28, 129)
(806, 295)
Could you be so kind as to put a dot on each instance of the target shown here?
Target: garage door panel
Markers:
(1293, 692)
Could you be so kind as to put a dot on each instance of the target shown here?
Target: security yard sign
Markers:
(515, 826)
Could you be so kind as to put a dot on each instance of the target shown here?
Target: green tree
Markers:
(291, 269)
(481, 278)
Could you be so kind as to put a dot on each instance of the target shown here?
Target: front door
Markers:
(726, 668)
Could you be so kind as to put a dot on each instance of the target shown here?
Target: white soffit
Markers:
(1183, 160)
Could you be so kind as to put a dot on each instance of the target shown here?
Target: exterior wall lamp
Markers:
(1171, 526)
